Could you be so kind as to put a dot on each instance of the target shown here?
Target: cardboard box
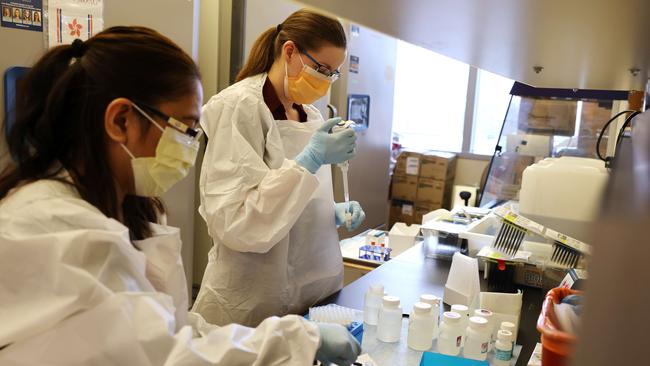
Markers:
(423, 208)
(438, 165)
(405, 187)
(402, 211)
(408, 163)
(434, 191)
(547, 116)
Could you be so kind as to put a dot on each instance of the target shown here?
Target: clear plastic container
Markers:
(503, 347)
(451, 334)
(464, 320)
(420, 332)
(436, 305)
(389, 327)
(372, 304)
(478, 339)
(512, 328)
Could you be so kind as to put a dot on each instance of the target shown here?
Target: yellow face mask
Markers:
(307, 87)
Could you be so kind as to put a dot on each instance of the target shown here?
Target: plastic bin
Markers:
(557, 346)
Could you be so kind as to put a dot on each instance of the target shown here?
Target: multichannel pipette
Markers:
(344, 166)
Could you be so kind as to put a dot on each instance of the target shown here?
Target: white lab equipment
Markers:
(512, 328)
(487, 315)
(126, 300)
(451, 334)
(504, 307)
(463, 286)
(372, 304)
(503, 348)
(420, 332)
(264, 212)
(401, 237)
(345, 167)
(477, 339)
(436, 305)
(563, 193)
(389, 327)
(464, 318)
(332, 313)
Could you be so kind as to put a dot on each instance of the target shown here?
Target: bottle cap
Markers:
(460, 309)
(432, 300)
(477, 322)
(391, 301)
(504, 336)
(421, 308)
(483, 313)
(509, 327)
(377, 289)
(451, 317)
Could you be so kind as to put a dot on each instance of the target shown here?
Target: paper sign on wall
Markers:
(412, 165)
(71, 19)
(22, 14)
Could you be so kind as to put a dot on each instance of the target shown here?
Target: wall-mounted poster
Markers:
(68, 20)
(359, 110)
(22, 14)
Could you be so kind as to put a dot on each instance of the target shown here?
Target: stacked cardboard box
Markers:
(422, 182)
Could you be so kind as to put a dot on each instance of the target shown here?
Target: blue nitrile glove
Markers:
(355, 210)
(337, 345)
(328, 148)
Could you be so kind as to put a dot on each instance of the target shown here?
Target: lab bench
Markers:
(412, 274)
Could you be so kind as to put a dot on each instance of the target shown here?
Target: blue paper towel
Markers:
(436, 359)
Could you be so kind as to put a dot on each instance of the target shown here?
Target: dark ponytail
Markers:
(308, 29)
(60, 113)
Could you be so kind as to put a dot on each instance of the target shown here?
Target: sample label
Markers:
(458, 341)
(412, 165)
(484, 347)
(407, 210)
(22, 14)
(503, 355)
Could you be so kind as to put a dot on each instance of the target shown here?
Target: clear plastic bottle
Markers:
(503, 348)
(487, 314)
(372, 304)
(478, 339)
(451, 334)
(389, 327)
(420, 327)
(435, 303)
(464, 320)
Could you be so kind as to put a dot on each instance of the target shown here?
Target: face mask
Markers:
(307, 87)
(175, 156)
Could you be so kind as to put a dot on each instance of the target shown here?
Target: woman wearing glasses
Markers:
(266, 186)
(89, 272)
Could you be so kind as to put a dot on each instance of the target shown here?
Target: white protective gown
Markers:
(276, 249)
(74, 291)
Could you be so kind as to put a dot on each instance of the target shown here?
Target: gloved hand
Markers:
(337, 345)
(328, 148)
(355, 209)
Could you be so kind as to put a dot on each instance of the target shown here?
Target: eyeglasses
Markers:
(322, 69)
(194, 131)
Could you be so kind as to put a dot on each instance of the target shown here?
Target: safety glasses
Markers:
(322, 69)
(194, 132)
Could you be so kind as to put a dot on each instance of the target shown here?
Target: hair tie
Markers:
(78, 48)
(278, 28)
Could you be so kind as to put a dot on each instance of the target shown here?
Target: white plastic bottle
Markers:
(487, 314)
(372, 304)
(435, 303)
(478, 339)
(389, 327)
(451, 334)
(503, 348)
(464, 320)
(420, 327)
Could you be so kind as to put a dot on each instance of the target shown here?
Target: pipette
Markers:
(344, 166)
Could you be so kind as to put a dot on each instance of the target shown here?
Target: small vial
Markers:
(487, 314)
(435, 303)
(464, 320)
(389, 327)
(503, 348)
(478, 339)
(451, 334)
(420, 327)
(372, 303)
(512, 328)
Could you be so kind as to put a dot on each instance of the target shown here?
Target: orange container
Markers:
(557, 345)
